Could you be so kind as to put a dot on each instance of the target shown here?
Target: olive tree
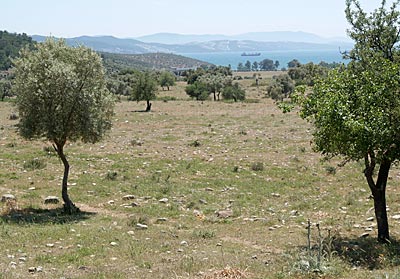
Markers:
(356, 109)
(166, 79)
(62, 96)
(144, 88)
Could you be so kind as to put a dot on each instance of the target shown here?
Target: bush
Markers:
(257, 166)
(34, 164)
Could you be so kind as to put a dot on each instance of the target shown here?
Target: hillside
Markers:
(217, 44)
(10, 45)
(157, 61)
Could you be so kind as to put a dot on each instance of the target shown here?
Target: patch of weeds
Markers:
(166, 98)
(195, 143)
(330, 170)
(111, 175)
(204, 234)
(257, 166)
(136, 142)
(140, 219)
(235, 169)
(242, 132)
(251, 101)
(34, 164)
(316, 260)
(11, 145)
(302, 149)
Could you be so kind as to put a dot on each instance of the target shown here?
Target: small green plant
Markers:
(330, 170)
(195, 143)
(205, 234)
(257, 166)
(111, 175)
(34, 164)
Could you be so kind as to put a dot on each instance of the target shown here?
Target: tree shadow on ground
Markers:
(43, 216)
(367, 252)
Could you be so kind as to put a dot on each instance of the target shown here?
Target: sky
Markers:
(134, 18)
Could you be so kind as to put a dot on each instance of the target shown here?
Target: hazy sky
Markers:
(124, 18)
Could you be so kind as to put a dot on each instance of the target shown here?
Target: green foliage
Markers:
(307, 74)
(5, 89)
(34, 164)
(198, 90)
(268, 65)
(280, 87)
(356, 108)
(144, 88)
(166, 79)
(61, 93)
(10, 45)
(234, 92)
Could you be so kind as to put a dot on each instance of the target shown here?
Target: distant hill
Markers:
(277, 36)
(149, 61)
(10, 45)
(133, 46)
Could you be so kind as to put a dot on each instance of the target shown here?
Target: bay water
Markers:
(303, 56)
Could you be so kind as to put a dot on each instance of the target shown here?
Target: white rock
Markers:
(113, 243)
(396, 217)
(8, 197)
(128, 197)
(51, 200)
(163, 200)
(141, 226)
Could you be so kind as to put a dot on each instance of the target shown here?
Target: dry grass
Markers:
(262, 238)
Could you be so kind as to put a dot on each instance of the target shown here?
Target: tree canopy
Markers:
(62, 96)
(356, 109)
(10, 45)
(144, 88)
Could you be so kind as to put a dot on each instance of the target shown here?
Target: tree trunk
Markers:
(148, 108)
(215, 97)
(69, 206)
(378, 191)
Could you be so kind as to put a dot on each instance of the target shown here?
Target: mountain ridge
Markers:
(133, 46)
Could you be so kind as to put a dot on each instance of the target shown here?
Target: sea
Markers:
(303, 56)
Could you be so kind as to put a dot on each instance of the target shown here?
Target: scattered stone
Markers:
(22, 259)
(370, 219)
(31, 188)
(364, 235)
(276, 195)
(202, 201)
(159, 220)
(184, 243)
(131, 232)
(134, 204)
(8, 197)
(110, 202)
(369, 229)
(113, 243)
(209, 189)
(141, 226)
(224, 213)
(180, 250)
(219, 244)
(163, 200)
(50, 245)
(32, 269)
(396, 217)
(128, 197)
(51, 200)
(39, 269)
(254, 257)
